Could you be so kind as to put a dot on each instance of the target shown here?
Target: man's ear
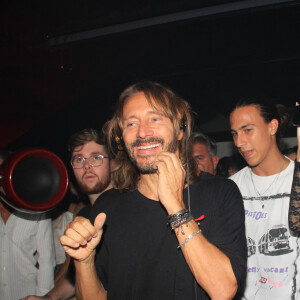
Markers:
(273, 125)
(180, 135)
(215, 160)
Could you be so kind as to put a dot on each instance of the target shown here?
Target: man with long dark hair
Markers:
(140, 257)
(273, 249)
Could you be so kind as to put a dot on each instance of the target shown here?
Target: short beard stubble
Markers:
(149, 168)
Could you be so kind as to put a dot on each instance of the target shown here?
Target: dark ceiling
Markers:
(64, 63)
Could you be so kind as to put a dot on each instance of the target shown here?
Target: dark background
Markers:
(63, 64)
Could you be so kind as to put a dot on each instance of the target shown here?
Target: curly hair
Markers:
(84, 136)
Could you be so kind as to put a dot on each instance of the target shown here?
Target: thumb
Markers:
(99, 222)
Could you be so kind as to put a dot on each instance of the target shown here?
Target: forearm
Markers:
(64, 289)
(210, 266)
(88, 286)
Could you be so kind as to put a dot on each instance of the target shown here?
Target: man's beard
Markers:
(148, 167)
(100, 186)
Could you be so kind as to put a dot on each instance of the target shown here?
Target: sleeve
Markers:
(46, 257)
(294, 208)
(227, 228)
(106, 203)
(59, 226)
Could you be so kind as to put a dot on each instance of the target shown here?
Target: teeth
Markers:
(148, 147)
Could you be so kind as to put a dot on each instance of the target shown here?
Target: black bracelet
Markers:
(180, 218)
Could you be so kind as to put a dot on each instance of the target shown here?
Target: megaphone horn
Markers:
(33, 180)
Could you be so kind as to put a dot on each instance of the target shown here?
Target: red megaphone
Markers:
(33, 180)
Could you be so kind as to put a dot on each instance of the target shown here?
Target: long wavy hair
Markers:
(125, 174)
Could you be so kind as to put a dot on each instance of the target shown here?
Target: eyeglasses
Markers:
(94, 160)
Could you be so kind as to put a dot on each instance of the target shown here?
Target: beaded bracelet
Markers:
(188, 238)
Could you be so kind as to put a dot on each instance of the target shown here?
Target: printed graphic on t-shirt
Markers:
(269, 273)
(274, 242)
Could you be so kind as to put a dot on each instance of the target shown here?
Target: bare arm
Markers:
(63, 270)
(88, 286)
(80, 241)
(211, 267)
(63, 290)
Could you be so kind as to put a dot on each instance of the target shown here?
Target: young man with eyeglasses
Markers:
(91, 167)
(92, 170)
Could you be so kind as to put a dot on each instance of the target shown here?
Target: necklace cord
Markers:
(261, 194)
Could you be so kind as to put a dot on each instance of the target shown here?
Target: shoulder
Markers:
(214, 184)
(240, 174)
(294, 164)
(205, 175)
(84, 212)
(220, 201)
(215, 191)
(106, 202)
(108, 198)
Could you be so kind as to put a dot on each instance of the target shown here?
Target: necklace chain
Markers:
(273, 181)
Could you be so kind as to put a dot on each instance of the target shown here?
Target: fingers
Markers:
(167, 162)
(99, 222)
(80, 231)
(170, 159)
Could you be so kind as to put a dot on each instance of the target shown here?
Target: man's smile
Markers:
(148, 147)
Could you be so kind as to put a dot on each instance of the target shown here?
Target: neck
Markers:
(148, 186)
(5, 213)
(273, 164)
(93, 197)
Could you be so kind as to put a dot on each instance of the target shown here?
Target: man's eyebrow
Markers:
(97, 152)
(242, 127)
(150, 112)
(246, 125)
(92, 153)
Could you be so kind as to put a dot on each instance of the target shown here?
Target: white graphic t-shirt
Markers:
(273, 250)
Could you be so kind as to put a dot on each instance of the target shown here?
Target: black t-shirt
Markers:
(138, 257)
(84, 212)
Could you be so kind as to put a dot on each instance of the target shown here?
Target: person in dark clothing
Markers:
(140, 257)
(91, 167)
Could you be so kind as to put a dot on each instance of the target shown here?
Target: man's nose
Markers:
(239, 140)
(144, 130)
(87, 164)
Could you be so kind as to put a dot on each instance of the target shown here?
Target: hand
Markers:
(171, 178)
(32, 297)
(81, 237)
